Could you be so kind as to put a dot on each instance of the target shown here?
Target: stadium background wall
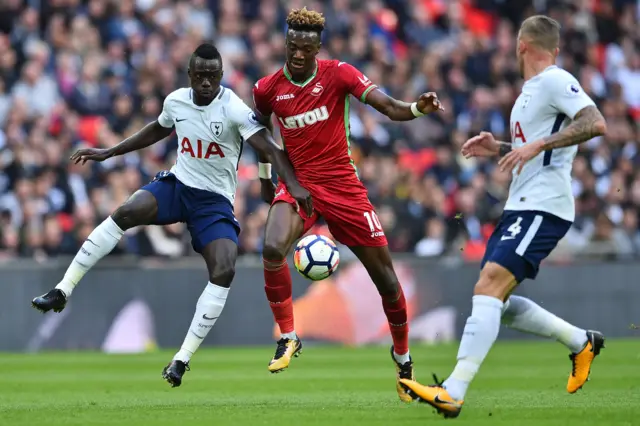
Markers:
(128, 306)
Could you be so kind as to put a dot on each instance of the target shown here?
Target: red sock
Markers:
(277, 280)
(395, 307)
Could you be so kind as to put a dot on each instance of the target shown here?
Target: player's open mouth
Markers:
(297, 65)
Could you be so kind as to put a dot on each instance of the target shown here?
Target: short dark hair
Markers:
(205, 51)
(542, 31)
(305, 20)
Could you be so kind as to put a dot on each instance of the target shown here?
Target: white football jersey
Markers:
(547, 104)
(210, 139)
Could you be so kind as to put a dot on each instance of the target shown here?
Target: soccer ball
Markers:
(316, 257)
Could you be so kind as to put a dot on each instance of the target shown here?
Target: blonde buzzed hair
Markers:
(541, 31)
(305, 20)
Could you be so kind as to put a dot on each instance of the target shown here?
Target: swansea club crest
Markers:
(216, 128)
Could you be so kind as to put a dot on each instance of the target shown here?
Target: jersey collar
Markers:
(217, 98)
(287, 74)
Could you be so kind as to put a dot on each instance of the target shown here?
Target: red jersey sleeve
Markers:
(261, 100)
(354, 81)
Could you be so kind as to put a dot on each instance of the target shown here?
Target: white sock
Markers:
(480, 332)
(208, 309)
(292, 336)
(525, 315)
(99, 244)
(402, 359)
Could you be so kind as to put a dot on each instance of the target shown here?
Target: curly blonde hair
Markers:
(305, 20)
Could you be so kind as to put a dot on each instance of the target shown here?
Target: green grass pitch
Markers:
(521, 383)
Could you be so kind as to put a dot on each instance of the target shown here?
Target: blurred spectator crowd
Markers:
(90, 73)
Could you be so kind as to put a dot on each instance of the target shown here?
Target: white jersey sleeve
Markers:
(166, 116)
(565, 93)
(243, 118)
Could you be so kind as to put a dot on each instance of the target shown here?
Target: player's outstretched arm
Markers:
(147, 136)
(268, 149)
(403, 111)
(587, 124)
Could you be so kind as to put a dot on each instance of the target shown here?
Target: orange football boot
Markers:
(436, 396)
(581, 361)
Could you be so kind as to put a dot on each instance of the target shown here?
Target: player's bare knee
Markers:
(494, 281)
(387, 286)
(390, 291)
(222, 274)
(137, 210)
(275, 251)
(124, 216)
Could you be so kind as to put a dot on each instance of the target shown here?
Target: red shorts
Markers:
(347, 210)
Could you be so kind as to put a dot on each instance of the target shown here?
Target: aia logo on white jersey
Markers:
(305, 119)
(200, 149)
(317, 90)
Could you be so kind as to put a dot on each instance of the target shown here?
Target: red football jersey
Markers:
(314, 118)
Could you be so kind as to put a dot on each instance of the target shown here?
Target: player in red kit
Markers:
(310, 99)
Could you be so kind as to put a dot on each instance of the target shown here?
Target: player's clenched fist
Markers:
(428, 103)
(303, 198)
(95, 154)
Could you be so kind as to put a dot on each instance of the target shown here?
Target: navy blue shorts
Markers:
(209, 216)
(523, 239)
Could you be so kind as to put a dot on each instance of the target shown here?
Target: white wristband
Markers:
(264, 170)
(416, 112)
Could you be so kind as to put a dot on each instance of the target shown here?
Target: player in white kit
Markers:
(550, 117)
(211, 123)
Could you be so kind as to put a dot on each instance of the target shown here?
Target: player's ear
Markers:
(556, 52)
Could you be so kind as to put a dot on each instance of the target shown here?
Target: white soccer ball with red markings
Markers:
(316, 257)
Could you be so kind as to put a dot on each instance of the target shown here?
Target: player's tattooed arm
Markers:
(147, 136)
(504, 148)
(398, 110)
(587, 124)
